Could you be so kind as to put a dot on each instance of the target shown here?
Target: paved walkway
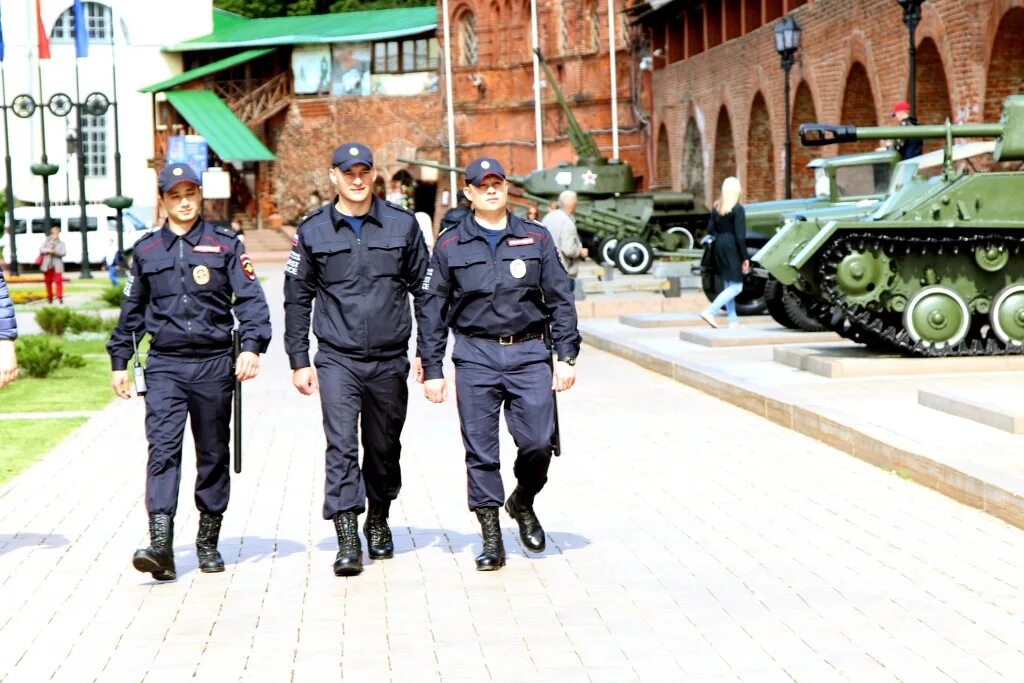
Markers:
(689, 541)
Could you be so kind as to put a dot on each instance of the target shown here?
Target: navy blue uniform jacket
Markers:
(361, 285)
(181, 290)
(8, 326)
(474, 292)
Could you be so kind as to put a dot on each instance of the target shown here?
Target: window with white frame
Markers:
(93, 141)
(98, 17)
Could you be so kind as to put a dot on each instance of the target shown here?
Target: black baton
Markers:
(236, 342)
(556, 437)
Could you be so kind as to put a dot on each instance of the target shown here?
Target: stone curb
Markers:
(784, 410)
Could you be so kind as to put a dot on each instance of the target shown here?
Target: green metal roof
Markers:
(223, 19)
(211, 68)
(224, 132)
(346, 27)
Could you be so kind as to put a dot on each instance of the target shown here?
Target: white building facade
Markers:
(128, 31)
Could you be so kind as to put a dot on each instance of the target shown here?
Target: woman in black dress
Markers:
(728, 224)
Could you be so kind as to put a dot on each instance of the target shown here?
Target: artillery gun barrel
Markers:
(820, 134)
(516, 180)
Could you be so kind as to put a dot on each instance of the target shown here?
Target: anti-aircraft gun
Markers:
(618, 224)
(935, 270)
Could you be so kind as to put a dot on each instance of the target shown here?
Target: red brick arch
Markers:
(693, 159)
(858, 107)
(760, 180)
(725, 151)
(933, 104)
(663, 160)
(1006, 67)
(803, 112)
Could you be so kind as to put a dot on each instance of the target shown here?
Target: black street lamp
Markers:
(911, 18)
(787, 42)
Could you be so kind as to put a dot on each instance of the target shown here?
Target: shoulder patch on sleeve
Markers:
(399, 207)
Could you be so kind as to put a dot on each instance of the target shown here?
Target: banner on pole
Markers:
(81, 31)
(44, 40)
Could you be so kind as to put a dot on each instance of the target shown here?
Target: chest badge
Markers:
(517, 268)
(201, 275)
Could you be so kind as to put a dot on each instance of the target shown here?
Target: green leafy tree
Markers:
(257, 9)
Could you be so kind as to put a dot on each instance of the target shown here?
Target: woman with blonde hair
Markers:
(728, 224)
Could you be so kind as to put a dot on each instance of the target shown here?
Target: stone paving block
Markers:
(846, 360)
(681, 319)
(753, 335)
(996, 409)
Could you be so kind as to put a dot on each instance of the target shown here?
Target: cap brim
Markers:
(487, 175)
(349, 163)
(179, 181)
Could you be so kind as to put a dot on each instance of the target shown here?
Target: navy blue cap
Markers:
(479, 169)
(172, 174)
(350, 154)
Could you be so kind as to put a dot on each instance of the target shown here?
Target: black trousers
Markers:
(369, 397)
(200, 389)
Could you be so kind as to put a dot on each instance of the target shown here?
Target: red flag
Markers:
(44, 40)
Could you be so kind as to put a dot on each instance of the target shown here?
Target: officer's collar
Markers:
(470, 229)
(376, 204)
(192, 236)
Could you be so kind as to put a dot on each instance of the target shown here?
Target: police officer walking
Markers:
(497, 282)
(180, 289)
(359, 257)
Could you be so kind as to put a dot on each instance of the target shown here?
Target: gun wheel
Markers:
(606, 251)
(634, 256)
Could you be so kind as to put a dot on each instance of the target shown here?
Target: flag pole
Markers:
(9, 189)
(86, 272)
(44, 168)
(121, 203)
(449, 105)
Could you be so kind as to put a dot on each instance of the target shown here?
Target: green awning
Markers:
(211, 68)
(346, 27)
(224, 132)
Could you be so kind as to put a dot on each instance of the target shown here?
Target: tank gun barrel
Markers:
(514, 179)
(582, 141)
(820, 134)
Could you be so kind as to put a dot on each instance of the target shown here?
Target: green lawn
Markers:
(22, 442)
(86, 388)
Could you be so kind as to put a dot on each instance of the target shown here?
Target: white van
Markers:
(101, 226)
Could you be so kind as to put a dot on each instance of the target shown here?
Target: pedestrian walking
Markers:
(497, 282)
(112, 260)
(359, 257)
(186, 280)
(51, 262)
(728, 224)
(8, 333)
(562, 227)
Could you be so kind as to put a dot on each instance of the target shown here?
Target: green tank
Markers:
(936, 269)
(617, 224)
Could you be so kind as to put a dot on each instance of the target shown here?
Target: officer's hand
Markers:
(247, 365)
(304, 379)
(119, 381)
(417, 369)
(746, 266)
(584, 252)
(564, 376)
(8, 363)
(436, 390)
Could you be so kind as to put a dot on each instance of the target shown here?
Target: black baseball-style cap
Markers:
(479, 169)
(350, 154)
(174, 174)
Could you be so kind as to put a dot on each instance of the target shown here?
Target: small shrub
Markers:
(53, 319)
(39, 356)
(112, 296)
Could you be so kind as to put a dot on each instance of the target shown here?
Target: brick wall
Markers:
(853, 63)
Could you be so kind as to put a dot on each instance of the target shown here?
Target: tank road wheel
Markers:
(606, 251)
(937, 316)
(634, 256)
(1007, 315)
(773, 294)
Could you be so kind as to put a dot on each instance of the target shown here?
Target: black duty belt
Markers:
(528, 335)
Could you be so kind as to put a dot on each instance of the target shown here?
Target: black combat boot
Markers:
(379, 544)
(158, 558)
(210, 561)
(493, 555)
(519, 506)
(349, 561)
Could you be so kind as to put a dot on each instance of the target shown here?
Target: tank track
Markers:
(885, 331)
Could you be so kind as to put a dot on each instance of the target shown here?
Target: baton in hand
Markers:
(236, 342)
(556, 437)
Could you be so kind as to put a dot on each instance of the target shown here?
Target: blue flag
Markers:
(1, 41)
(81, 31)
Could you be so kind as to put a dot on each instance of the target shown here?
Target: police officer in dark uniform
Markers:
(180, 290)
(497, 282)
(359, 257)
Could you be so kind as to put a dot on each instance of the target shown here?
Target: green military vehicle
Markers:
(616, 223)
(845, 185)
(935, 269)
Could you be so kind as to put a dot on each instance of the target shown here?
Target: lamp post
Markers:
(911, 18)
(787, 42)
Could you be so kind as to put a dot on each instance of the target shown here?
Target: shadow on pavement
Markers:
(415, 539)
(26, 539)
(236, 550)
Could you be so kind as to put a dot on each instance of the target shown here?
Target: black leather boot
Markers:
(519, 506)
(349, 561)
(493, 555)
(210, 561)
(379, 544)
(158, 558)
